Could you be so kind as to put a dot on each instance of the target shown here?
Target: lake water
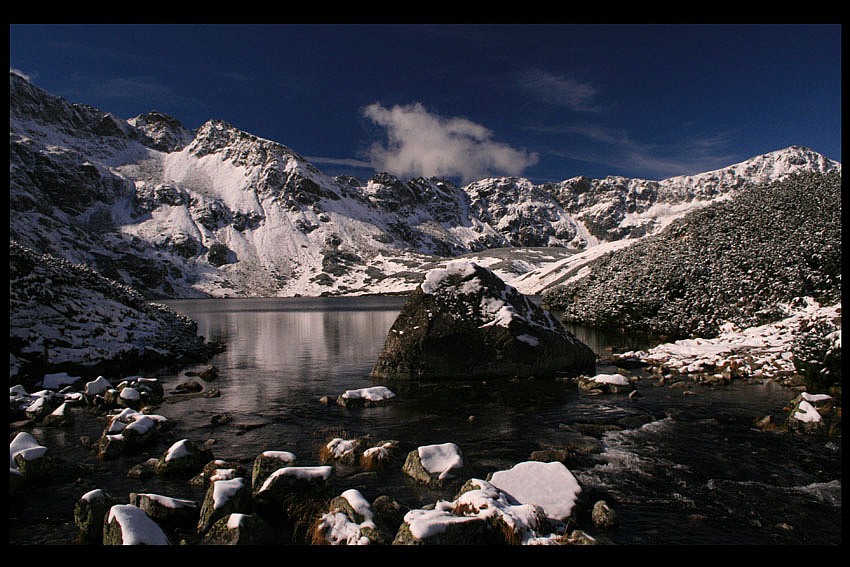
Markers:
(677, 468)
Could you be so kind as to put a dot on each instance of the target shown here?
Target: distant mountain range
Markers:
(220, 212)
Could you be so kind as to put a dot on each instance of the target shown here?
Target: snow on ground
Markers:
(564, 270)
(756, 351)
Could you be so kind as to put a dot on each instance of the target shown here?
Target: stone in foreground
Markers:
(463, 322)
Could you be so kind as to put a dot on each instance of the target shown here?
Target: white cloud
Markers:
(420, 143)
(560, 90)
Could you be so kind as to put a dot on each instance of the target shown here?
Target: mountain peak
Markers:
(162, 132)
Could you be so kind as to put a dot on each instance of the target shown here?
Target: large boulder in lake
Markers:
(464, 322)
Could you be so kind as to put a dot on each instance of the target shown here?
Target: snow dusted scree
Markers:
(464, 322)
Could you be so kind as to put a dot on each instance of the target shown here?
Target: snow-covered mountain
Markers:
(221, 212)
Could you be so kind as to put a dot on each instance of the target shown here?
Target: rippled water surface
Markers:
(678, 468)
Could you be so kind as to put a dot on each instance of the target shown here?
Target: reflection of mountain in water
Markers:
(304, 345)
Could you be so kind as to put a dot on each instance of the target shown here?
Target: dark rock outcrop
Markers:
(464, 322)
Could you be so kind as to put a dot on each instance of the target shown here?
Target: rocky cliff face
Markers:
(220, 212)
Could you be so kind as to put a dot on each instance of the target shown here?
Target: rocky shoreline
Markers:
(281, 498)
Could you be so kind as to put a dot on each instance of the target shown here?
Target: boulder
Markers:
(28, 459)
(365, 397)
(59, 417)
(380, 455)
(297, 494)
(551, 486)
(605, 384)
(436, 465)
(126, 524)
(463, 322)
(183, 458)
(603, 515)
(219, 470)
(268, 462)
(811, 414)
(167, 511)
(89, 513)
(127, 431)
(224, 497)
(349, 520)
(240, 529)
(441, 527)
(295, 485)
(339, 450)
(389, 511)
(39, 408)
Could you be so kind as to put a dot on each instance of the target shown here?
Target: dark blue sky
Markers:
(547, 102)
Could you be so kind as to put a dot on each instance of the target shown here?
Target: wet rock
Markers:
(89, 513)
(390, 511)
(60, 417)
(240, 529)
(364, 397)
(143, 470)
(209, 374)
(463, 322)
(603, 515)
(189, 387)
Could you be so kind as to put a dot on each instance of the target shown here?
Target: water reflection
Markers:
(282, 351)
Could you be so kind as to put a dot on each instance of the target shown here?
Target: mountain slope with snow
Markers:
(735, 261)
(220, 212)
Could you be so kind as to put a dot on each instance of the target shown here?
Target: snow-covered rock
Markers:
(223, 498)
(183, 458)
(349, 521)
(437, 465)
(89, 514)
(463, 322)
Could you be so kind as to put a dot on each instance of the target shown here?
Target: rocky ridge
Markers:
(220, 212)
(67, 317)
(736, 261)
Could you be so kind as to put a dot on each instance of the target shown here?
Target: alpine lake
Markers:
(677, 469)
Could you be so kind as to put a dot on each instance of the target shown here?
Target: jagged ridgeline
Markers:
(66, 316)
(736, 260)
